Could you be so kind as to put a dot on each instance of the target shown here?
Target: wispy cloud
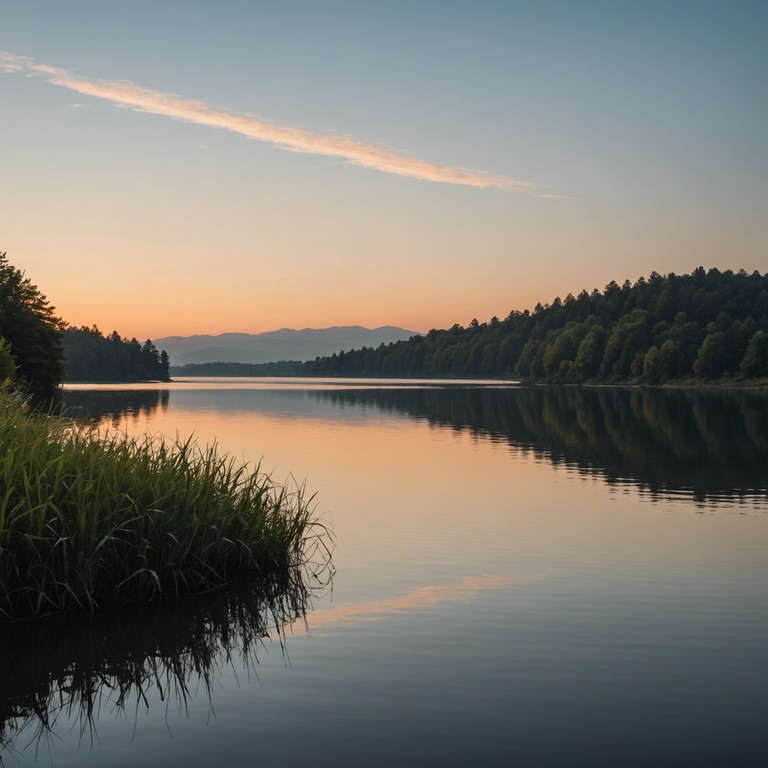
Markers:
(136, 97)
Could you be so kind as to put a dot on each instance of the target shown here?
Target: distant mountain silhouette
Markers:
(284, 344)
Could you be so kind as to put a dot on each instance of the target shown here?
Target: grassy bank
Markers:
(87, 520)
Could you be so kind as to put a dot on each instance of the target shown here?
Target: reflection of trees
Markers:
(705, 443)
(79, 668)
(96, 405)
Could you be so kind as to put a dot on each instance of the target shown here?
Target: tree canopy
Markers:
(7, 362)
(91, 356)
(31, 330)
(705, 326)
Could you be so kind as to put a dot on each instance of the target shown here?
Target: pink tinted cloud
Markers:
(354, 151)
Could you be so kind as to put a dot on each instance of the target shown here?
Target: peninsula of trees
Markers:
(704, 327)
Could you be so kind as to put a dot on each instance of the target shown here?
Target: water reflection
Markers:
(707, 444)
(711, 445)
(415, 599)
(115, 404)
(632, 621)
(58, 674)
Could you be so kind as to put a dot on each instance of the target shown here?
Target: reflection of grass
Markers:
(80, 667)
(85, 520)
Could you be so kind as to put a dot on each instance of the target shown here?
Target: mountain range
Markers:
(273, 346)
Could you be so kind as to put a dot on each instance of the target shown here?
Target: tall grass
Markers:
(86, 519)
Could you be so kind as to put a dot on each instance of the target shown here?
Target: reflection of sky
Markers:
(204, 383)
(230, 402)
(287, 397)
(480, 593)
(295, 403)
(675, 444)
(416, 599)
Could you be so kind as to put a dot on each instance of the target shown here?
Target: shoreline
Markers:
(729, 384)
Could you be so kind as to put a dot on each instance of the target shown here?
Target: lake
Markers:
(546, 576)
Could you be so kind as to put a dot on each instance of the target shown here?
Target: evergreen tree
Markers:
(94, 357)
(7, 362)
(28, 323)
(700, 327)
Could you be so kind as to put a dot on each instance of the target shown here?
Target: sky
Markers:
(191, 167)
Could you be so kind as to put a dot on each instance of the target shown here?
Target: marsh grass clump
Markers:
(86, 520)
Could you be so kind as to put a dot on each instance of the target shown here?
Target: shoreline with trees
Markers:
(708, 328)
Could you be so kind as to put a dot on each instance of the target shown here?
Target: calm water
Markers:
(548, 576)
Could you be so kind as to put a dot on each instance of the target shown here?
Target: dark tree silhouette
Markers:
(695, 327)
(706, 326)
(94, 357)
(28, 323)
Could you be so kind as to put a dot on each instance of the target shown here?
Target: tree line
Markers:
(709, 325)
(38, 349)
(281, 368)
(92, 356)
(706, 326)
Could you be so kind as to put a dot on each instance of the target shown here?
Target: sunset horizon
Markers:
(384, 383)
(183, 171)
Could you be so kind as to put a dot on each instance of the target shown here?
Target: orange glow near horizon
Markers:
(190, 313)
(449, 516)
(217, 317)
(220, 186)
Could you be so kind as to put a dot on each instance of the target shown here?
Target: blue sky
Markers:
(618, 138)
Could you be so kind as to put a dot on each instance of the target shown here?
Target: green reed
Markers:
(88, 519)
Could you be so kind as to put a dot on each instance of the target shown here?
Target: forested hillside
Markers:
(92, 356)
(705, 326)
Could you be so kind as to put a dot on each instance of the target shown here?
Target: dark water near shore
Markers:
(523, 576)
